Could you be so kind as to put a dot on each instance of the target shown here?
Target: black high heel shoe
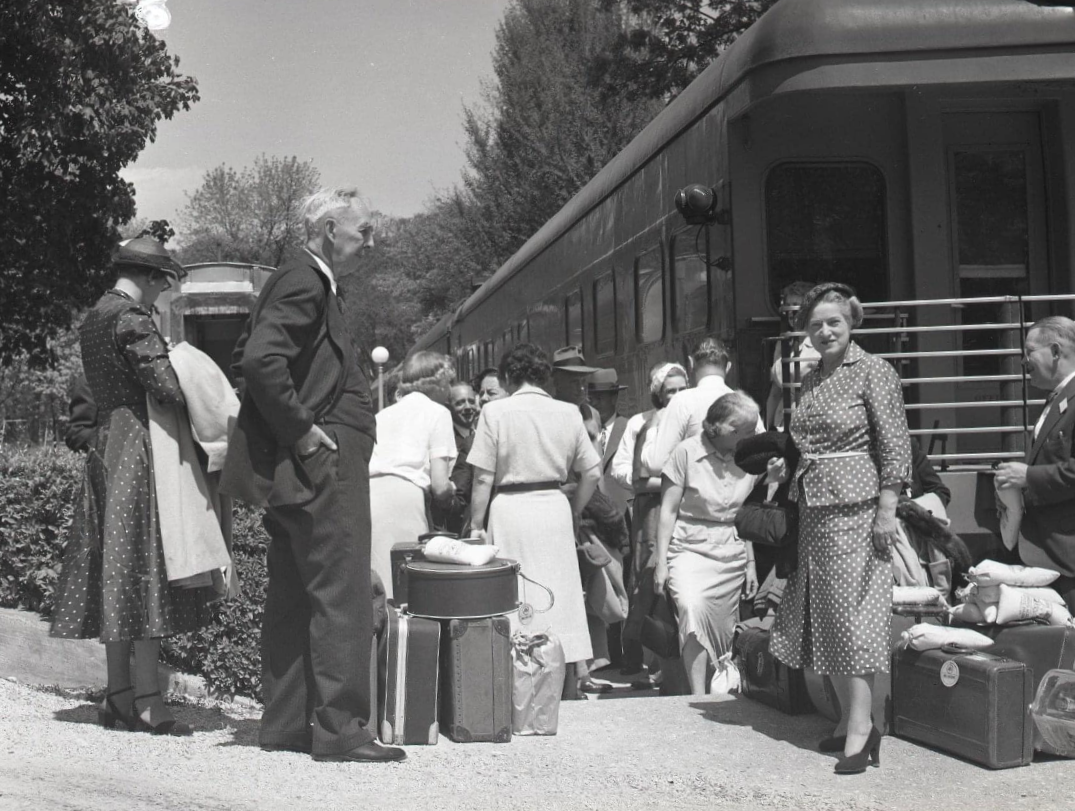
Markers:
(170, 727)
(834, 743)
(870, 754)
(111, 714)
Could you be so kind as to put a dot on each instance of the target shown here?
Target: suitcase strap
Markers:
(529, 609)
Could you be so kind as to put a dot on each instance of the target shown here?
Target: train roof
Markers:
(808, 29)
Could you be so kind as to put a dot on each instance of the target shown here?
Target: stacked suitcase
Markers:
(443, 674)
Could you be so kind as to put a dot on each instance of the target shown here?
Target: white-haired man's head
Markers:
(339, 225)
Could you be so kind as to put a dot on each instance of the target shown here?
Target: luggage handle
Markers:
(546, 589)
(956, 649)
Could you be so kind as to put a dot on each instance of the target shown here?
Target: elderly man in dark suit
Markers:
(1047, 478)
(301, 448)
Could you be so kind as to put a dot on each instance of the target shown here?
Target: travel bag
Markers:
(476, 680)
(400, 555)
(764, 677)
(408, 663)
(1041, 648)
(968, 703)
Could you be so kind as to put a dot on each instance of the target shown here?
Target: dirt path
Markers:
(653, 753)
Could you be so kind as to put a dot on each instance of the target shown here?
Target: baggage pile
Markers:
(447, 660)
(994, 691)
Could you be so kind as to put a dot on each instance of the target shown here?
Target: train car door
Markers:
(998, 247)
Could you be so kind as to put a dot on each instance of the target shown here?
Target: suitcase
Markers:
(477, 676)
(764, 678)
(968, 703)
(408, 665)
(400, 555)
(1041, 648)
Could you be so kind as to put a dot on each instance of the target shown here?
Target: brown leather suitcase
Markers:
(476, 680)
(408, 663)
(968, 703)
(764, 677)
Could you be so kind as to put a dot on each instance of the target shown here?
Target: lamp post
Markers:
(379, 355)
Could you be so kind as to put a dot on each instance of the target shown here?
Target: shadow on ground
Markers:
(802, 731)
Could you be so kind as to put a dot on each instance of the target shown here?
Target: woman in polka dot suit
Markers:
(851, 429)
(114, 585)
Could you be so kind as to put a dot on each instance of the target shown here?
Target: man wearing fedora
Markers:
(569, 374)
(604, 392)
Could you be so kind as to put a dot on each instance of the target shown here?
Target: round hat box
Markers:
(456, 591)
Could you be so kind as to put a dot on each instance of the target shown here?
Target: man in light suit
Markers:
(1047, 478)
(301, 448)
(604, 392)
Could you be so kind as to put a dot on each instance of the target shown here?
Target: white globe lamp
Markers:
(379, 355)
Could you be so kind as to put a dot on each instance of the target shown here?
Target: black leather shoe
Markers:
(371, 752)
(285, 747)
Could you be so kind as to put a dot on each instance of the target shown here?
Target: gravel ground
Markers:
(653, 753)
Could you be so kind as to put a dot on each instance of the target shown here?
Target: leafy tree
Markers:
(250, 215)
(551, 121)
(667, 43)
(82, 87)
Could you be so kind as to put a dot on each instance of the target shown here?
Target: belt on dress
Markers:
(813, 457)
(527, 487)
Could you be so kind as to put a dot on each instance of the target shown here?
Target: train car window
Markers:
(506, 343)
(522, 330)
(604, 314)
(649, 296)
(490, 354)
(573, 312)
(690, 279)
(826, 222)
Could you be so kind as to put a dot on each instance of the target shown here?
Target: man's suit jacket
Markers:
(1047, 534)
(608, 485)
(292, 357)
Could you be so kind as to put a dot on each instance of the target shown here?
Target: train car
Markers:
(922, 152)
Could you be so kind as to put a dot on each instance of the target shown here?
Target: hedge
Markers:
(38, 487)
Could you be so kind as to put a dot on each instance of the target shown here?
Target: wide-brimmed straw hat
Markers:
(148, 253)
(570, 359)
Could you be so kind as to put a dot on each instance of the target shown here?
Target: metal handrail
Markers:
(1010, 380)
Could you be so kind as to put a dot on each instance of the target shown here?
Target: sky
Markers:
(371, 91)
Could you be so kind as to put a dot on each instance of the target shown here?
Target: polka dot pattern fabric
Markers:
(113, 584)
(837, 609)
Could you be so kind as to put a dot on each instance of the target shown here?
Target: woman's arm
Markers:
(888, 425)
(479, 501)
(588, 480)
(884, 520)
(440, 484)
(750, 587)
(671, 496)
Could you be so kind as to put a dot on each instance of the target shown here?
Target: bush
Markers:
(38, 488)
(37, 495)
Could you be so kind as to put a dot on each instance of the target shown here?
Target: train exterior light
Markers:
(697, 204)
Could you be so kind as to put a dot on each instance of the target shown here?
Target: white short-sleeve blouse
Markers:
(410, 434)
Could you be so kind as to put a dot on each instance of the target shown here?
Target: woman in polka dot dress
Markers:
(851, 429)
(113, 584)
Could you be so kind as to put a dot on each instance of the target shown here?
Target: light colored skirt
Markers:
(707, 567)
(535, 529)
(397, 515)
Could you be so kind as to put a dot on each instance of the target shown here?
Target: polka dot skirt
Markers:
(113, 584)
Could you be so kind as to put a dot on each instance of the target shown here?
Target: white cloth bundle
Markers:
(1010, 514)
(211, 403)
(915, 595)
(1016, 605)
(1003, 604)
(992, 573)
(929, 637)
(450, 550)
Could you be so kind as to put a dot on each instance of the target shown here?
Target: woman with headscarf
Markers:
(850, 428)
(114, 584)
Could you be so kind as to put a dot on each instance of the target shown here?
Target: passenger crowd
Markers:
(614, 513)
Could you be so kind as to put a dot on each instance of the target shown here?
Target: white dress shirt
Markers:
(325, 270)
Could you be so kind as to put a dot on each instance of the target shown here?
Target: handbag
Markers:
(660, 630)
(768, 521)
